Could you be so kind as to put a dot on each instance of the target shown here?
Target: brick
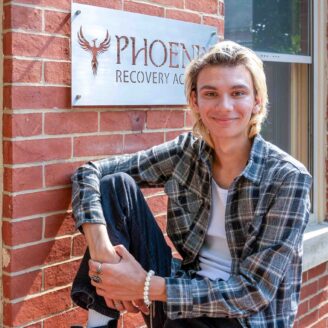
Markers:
(135, 142)
(216, 22)
(16, 70)
(22, 17)
(221, 8)
(122, 121)
(56, 22)
(303, 308)
(131, 320)
(79, 245)
(23, 44)
(202, 6)
(35, 325)
(25, 178)
(171, 3)
(59, 4)
(143, 8)
(305, 277)
(165, 119)
(28, 97)
(162, 222)
(98, 145)
(323, 310)
(321, 324)
(157, 204)
(39, 150)
(77, 316)
(60, 174)
(113, 4)
(59, 225)
(15, 233)
(35, 308)
(309, 289)
(36, 255)
(148, 192)
(170, 135)
(22, 285)
(57, 72)
(323, 282)
(7, 206)
(60, 275)
(67, 123)
(308, 320)
(189, 119)
(183, 16)
(37, 202)
(318, 299)
(22, 125)
(317, 271)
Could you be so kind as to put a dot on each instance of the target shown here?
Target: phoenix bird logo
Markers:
(95, 51)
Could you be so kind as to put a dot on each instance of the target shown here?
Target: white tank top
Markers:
(214, 256)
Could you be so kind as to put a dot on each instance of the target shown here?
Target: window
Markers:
(290, 37)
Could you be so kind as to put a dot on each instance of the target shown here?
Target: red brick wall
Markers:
(45, 140)
(313, 308)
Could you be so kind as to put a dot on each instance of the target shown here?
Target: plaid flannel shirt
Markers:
(266, 213)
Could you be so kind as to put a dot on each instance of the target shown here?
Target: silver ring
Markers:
(99, 268)
(96, 278)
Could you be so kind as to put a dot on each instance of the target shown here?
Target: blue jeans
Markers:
(131, 223)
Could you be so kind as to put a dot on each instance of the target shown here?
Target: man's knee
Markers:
(113, 181)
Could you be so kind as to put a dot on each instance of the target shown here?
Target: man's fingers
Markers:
(130, 307)
(142, 306)
(110, 303)
(118, 305)
(122, 252)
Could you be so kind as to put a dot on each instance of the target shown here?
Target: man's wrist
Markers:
(100, 247)
(157, 290)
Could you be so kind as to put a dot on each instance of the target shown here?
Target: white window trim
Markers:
(316, 235)
(284, 58)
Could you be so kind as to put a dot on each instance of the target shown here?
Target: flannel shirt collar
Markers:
(255, 165)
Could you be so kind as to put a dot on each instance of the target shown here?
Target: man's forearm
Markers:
(100, 247)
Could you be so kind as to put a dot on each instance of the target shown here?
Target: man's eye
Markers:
(238, 93)
(210, 94)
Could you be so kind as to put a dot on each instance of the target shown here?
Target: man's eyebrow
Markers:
(211, 87)
(240, 86)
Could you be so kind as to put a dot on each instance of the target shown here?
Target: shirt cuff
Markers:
(179, 299)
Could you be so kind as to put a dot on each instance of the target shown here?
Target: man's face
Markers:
(225, 100)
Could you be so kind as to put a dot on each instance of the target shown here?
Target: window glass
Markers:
(275, 26)
(276, 128)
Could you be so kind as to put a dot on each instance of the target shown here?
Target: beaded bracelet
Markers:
(150, 273)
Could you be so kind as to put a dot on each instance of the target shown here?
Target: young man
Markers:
(237, 210)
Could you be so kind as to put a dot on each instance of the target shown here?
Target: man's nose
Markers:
(224, 103)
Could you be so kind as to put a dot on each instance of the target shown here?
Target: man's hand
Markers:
(115, 276)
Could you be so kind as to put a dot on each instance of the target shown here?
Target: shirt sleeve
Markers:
(151, 167)
(277, 240)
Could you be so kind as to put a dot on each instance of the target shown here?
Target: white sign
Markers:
(121, 58)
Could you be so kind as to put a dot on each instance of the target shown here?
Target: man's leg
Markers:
(203, 322)
(131, 223)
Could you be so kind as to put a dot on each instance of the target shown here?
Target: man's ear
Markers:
(194, 101)
(257, 106)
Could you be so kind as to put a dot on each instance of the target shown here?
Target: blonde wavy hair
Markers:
(231, 54)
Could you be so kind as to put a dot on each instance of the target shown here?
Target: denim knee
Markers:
(116, 180)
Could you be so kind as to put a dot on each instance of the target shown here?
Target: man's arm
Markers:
(100, 247)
